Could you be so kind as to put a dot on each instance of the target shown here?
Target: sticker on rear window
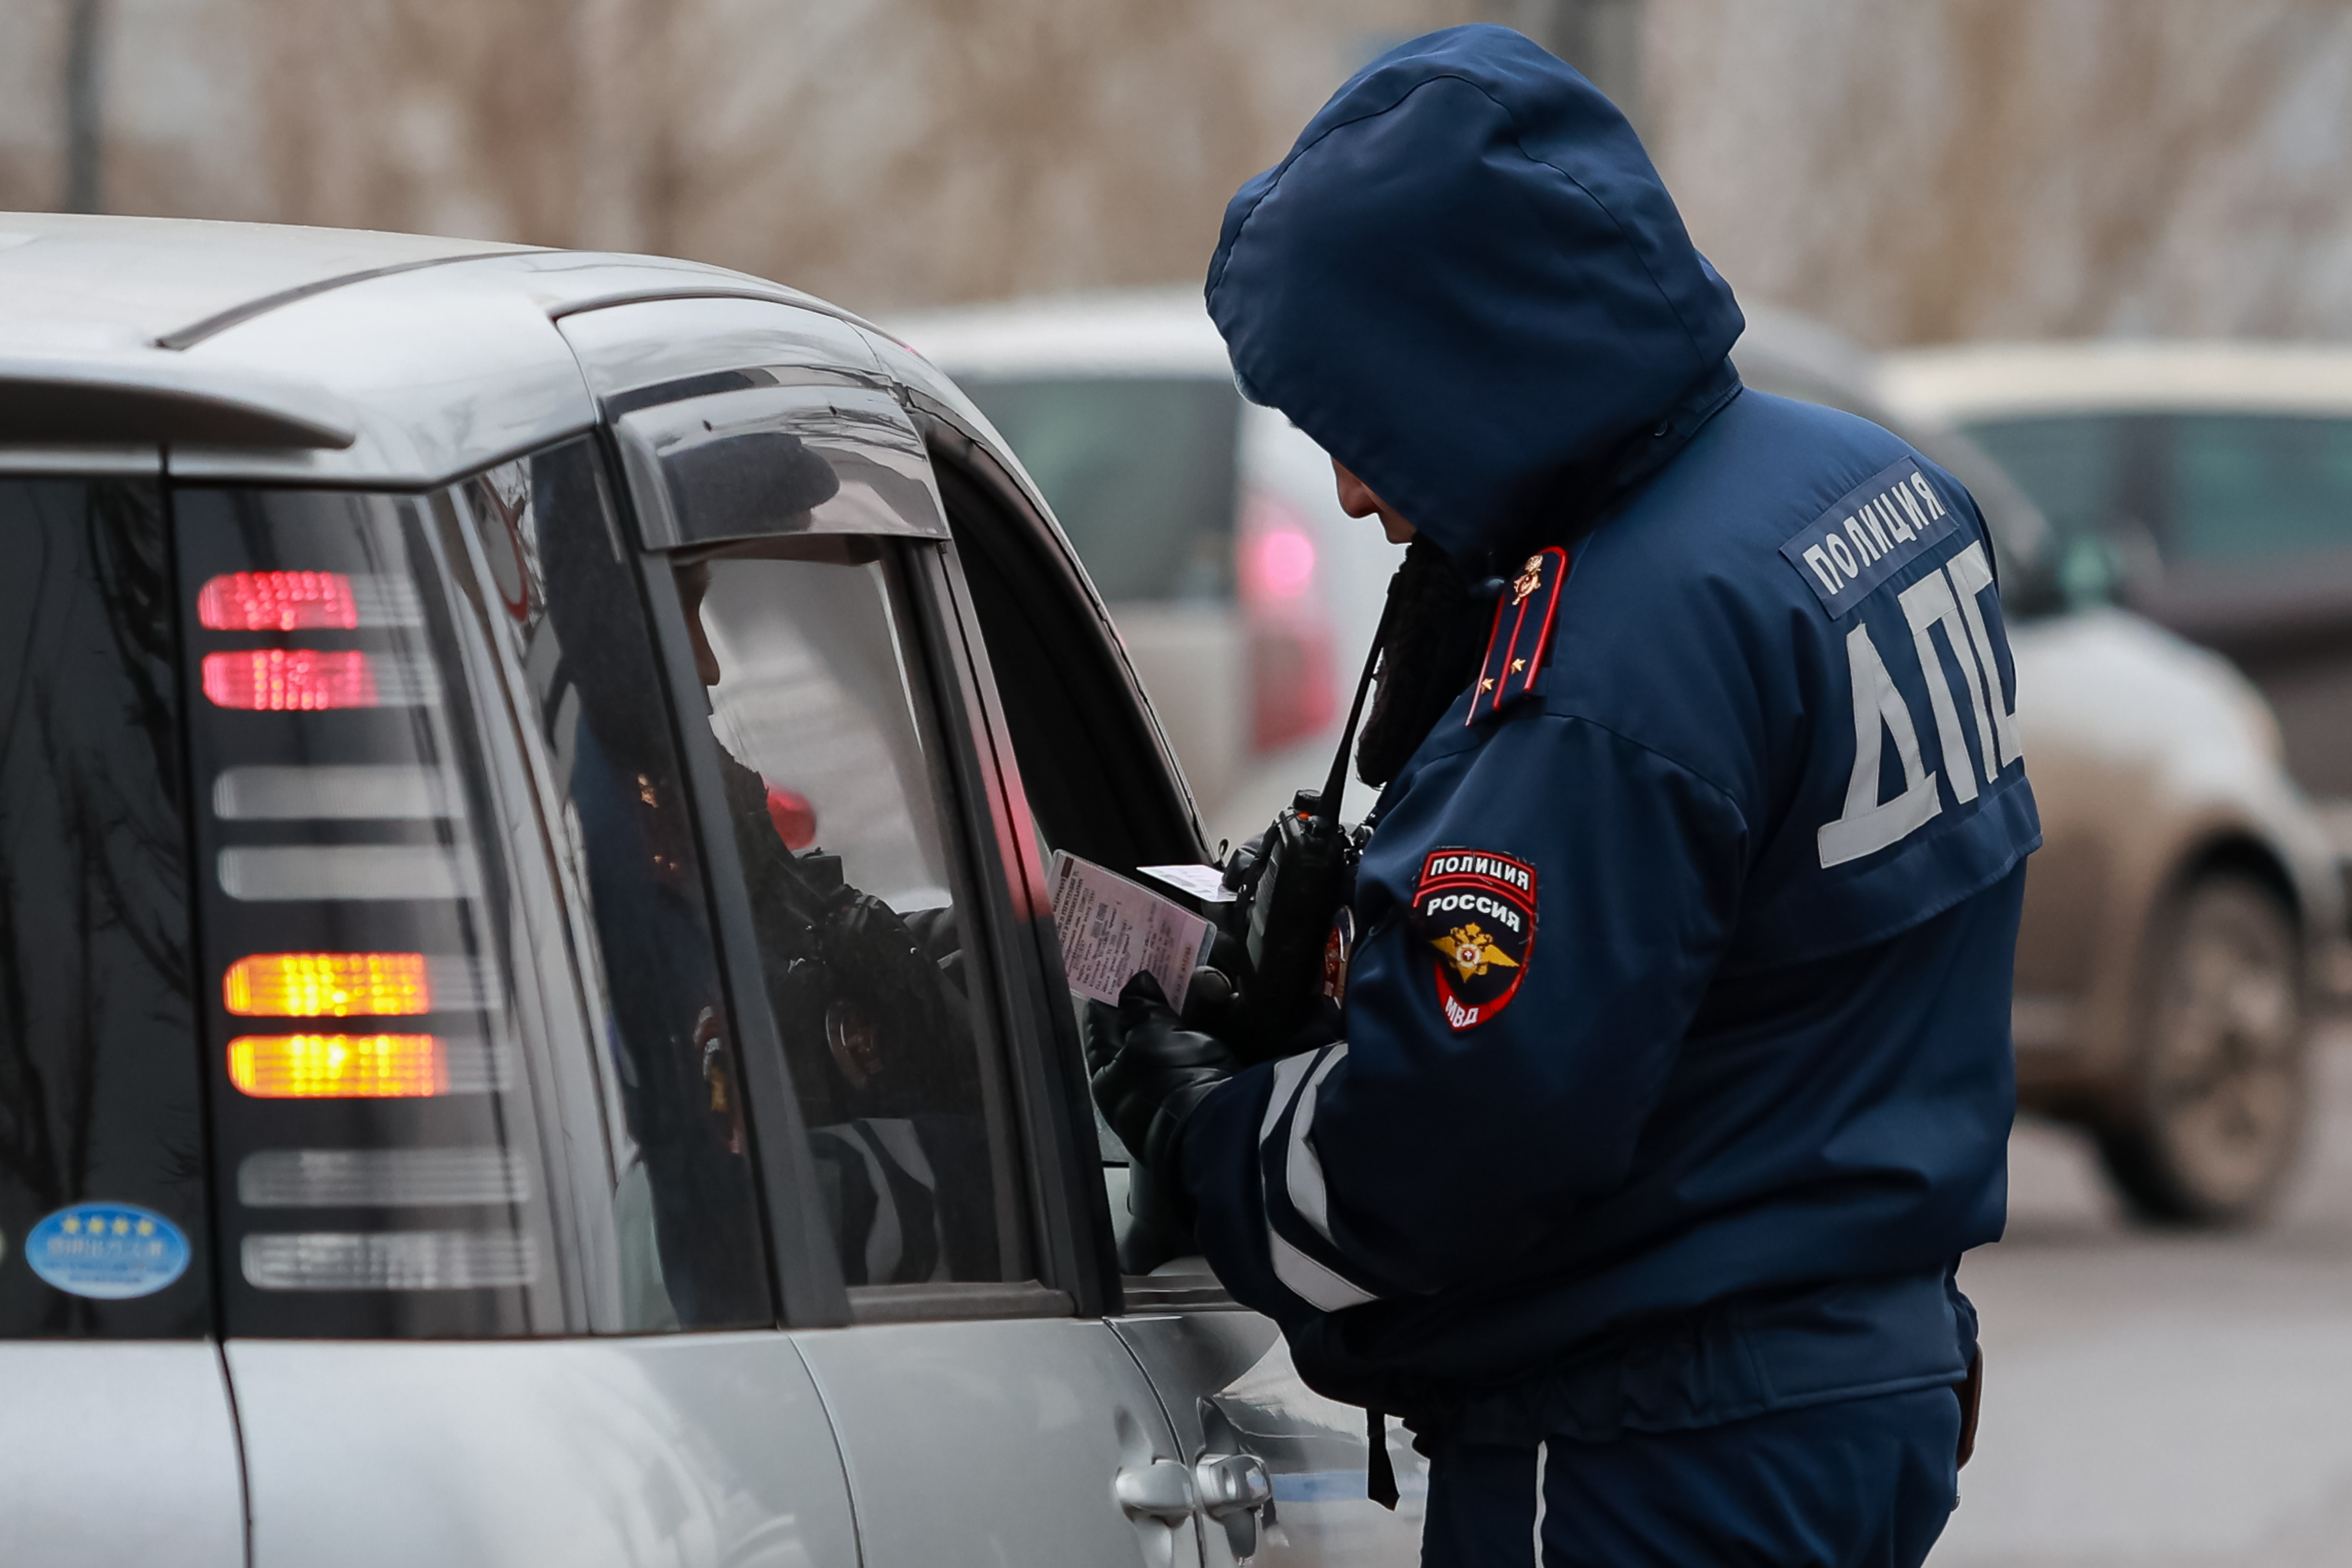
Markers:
(109, 1251)
(1874, 530)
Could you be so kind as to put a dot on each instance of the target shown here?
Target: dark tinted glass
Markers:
(679, 1196)
(2251, 487)
(102, 1226)
(1141, 472)
(841, 817)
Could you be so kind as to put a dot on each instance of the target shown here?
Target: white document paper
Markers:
(1205, 882)
(1111, 928)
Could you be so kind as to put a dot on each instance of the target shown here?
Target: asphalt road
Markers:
(2157, 1398)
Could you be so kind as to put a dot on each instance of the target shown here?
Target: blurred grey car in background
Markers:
(2206, 486)
(2185, 915)
(2182, 921)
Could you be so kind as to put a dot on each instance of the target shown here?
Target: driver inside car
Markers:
(873, 1012)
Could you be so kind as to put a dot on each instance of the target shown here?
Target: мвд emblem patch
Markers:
(1477, 910)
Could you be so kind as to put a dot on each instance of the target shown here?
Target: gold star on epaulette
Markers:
(1486, 684)
(1517, 665)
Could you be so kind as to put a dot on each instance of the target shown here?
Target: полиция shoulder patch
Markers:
(1874, 530)
(1477, 910)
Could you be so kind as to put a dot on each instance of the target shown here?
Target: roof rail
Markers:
(196, 332)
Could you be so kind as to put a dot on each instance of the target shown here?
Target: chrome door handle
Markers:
(1229, 1483)
(1162, 1489)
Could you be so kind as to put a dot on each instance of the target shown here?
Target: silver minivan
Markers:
(530, 1030)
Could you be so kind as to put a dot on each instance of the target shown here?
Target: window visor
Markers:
(778, 460)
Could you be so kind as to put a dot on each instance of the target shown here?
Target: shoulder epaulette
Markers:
(1521, 640)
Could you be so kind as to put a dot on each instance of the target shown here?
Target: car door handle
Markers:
(1228, 1483)
(1162, 1489)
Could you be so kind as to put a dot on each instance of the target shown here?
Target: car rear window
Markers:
(1139, 471)
(102, 1160)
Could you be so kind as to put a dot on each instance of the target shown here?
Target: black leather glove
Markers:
(1149, 1071)
(1212, 1004)
(883, 966)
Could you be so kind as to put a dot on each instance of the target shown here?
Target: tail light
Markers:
(328, 985)
(386, 1261)
(323, 792)
(1291, 694)
(304, 602)
(380, 1178)
(1281, 563)
(306, 680)
(368, 1101)
(338, 1066)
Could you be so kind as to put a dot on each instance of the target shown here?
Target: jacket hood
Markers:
(1467, 283)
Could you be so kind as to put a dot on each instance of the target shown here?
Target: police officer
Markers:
(1675, 1073)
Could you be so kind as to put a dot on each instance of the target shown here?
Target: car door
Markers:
(795, 563)
(495, 1283)
(1280, 1470)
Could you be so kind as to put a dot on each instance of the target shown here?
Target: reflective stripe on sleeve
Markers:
(1303, 1171)
(1311, 1280)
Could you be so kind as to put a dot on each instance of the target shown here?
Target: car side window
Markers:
(678, 1211)
(2076, 469)
(1086, 759)
(840, 812)
(2246, 487)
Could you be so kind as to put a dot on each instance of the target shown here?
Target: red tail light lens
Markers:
(338, 1066)
(328, 985)
(1281, 563)
(1291, 676)
(278, 601)
(282, 680)
(1291, 689)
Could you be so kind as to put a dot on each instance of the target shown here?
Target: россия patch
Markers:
(1477, 910)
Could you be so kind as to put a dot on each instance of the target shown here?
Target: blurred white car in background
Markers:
(1247, 599)
(2182, 919)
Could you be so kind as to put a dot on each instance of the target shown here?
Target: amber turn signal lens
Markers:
(338, 1066)
(328, 985)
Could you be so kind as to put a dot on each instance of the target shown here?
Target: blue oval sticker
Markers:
(108, 1250)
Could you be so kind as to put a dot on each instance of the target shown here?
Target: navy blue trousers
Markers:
(1863, 1483)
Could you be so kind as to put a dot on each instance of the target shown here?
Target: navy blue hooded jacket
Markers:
(1676, 1066)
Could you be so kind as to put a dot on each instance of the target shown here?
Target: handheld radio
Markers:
(1293, 889)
